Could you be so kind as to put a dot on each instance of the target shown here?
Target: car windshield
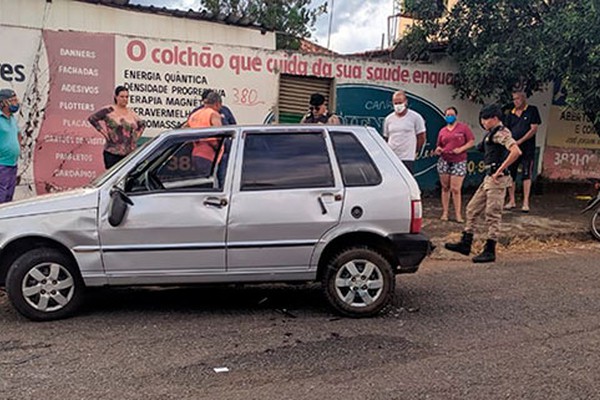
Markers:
(99, 181)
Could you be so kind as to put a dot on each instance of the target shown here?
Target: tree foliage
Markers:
(570, 50)
(290, 19)
(501, 45)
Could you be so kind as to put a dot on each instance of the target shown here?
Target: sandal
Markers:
(525, 209)
(509, 206)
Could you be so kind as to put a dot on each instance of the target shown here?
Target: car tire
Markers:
(359, 282)
(44, 284)
(595, 224)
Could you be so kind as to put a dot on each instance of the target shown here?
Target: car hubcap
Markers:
(48, 287)
(359, 283)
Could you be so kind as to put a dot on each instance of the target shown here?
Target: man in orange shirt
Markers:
(205, 150)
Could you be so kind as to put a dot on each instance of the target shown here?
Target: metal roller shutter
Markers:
(294, 94)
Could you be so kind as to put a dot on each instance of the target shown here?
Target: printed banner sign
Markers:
(571, 128)
(68, 152)
(573, 147)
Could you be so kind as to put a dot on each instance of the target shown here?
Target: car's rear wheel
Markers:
(43, 284)
(359, 282)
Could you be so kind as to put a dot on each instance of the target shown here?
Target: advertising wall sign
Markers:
(68, 151)
(573, 147)
(360, 104)
(363, 104)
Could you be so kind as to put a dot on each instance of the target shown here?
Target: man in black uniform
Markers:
(489, 197)
(522, 122)
(318, 113)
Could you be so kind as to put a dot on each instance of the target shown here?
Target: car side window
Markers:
(286, 161)
(194, 164)
(357, 167)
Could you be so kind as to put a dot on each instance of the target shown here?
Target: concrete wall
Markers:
(70, 56)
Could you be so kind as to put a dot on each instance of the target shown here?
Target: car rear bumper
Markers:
(410, 250)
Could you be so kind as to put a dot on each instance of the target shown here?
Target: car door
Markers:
(286, 197)
(175, 230)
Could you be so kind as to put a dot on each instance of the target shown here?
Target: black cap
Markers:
(6, 94)
(490, 111)
(316, 99)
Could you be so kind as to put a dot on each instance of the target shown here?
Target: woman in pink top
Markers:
(452, 144)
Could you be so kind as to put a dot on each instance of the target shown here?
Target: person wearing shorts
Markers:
(452, 144)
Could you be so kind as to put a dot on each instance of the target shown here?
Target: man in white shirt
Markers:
(404, 130)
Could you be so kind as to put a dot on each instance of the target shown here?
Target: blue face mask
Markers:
(13, 108)
(450, 119)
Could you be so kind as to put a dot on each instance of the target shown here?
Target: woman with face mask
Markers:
(452, 144)
(120, 126)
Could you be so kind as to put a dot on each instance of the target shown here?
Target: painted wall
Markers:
(63, 75)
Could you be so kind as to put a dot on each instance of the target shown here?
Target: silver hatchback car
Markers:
(234, 204)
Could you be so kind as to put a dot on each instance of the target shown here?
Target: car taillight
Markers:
(416, 216)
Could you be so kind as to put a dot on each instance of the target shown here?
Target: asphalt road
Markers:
(526, 327)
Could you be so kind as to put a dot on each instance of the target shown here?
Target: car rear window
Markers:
(357, 167)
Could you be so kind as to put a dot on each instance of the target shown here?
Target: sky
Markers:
(357, 24)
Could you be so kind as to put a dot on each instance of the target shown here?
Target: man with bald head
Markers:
(404, 130)
(523, 122)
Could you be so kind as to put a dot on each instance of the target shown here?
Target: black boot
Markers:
(462, 247)
(488, 254)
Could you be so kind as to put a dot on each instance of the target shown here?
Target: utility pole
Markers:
(330, 24)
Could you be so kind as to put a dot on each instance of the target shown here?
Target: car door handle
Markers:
(329, 197)
(215, 202)
(334, 196)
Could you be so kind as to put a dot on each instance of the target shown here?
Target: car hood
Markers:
(76, 199)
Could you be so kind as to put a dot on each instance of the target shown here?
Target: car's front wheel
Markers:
(44, 284)
(359, 282)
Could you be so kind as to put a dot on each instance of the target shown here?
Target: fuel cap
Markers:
(356, 212)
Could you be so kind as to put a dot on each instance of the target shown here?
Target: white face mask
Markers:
(399, 108)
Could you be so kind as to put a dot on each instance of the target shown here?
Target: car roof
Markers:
(258, 129)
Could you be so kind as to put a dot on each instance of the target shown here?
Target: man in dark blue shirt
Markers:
(523, 121)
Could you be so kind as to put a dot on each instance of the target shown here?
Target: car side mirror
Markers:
(119, 203)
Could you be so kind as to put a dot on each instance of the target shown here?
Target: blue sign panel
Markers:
(359, 104)
(369, 105)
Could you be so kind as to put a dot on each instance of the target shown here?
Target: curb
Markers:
(507, 242)
(574, 236)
